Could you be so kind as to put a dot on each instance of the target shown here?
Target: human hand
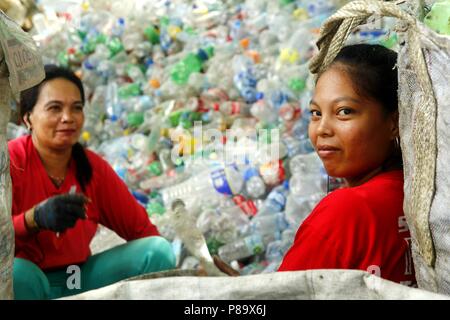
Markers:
(60, 212)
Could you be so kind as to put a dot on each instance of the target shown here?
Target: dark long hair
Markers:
(372, 69)
(28, 99)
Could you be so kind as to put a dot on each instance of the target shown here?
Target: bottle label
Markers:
(235, 108)
(247, 206)
(220, 182)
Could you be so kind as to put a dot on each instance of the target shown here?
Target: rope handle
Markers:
(337, 28)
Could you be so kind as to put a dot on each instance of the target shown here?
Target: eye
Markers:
(315, 113)
(54, 107)
(78, 107)
(345, 111)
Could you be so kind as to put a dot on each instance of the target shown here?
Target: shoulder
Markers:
(100, 167)
(367, 203)
(19, 151)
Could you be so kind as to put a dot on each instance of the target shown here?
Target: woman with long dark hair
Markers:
(354, 130)
(61, 192)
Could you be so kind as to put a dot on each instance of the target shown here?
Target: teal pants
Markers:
(131, 259)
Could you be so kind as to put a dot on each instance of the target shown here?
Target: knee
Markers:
(29, 281)
(158, 254)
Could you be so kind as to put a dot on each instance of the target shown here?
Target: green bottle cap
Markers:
(152, 34)
(81, 34)
(155, 168)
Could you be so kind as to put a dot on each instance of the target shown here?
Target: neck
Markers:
(359, 180)
(392, 163)
(55, 161)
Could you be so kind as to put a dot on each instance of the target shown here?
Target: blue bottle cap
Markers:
(202, 55)
(259, 96)
(286, 184)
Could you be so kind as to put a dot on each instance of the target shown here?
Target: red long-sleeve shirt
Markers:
(112, 205)
(357, 228)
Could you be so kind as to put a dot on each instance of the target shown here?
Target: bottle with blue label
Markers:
(205, 187)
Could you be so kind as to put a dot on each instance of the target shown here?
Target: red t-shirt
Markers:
(357, 228)
(112, 205)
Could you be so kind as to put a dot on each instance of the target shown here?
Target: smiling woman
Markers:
(354, 130)
(61, 192)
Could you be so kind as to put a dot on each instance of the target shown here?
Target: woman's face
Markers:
(57, 118)
(351, 134)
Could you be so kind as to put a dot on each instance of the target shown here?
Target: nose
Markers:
(324, 128)
(67, 116)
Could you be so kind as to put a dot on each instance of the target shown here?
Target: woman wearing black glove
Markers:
(53, 176)
(60, 212)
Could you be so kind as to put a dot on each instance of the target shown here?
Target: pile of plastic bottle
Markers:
(207, 102)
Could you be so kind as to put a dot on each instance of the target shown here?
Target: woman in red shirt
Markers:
(61, 192)
(354, 130)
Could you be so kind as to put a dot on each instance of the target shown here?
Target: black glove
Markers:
(60, 212)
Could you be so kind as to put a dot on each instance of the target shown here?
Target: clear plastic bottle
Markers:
(276, 200)
(262, 111)
(251, 245)
(254, 184)
(212, 182)
(269, 224)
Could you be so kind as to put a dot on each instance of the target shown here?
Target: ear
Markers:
(27, 121)
(394, 118)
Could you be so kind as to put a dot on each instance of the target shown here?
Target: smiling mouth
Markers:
(67, 131)
(327, 148)
(326, 151)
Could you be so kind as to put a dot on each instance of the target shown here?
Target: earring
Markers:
(397, 142)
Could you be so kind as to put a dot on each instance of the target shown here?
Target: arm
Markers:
(24, 224)
(334, 236)
(312, 250)
(119, 211)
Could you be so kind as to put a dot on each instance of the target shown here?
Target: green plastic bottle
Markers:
(135, 119)
(129, 90)
(438, 19)
(115, 46)
(191, 63)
